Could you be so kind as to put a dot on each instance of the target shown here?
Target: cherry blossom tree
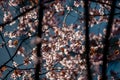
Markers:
(59, 39)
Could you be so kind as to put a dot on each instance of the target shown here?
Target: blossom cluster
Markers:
(63, 41)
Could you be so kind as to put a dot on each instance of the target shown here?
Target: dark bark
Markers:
(39, 53)
(106, 41)
(87, 45)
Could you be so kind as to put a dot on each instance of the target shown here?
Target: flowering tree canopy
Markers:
(59, 39)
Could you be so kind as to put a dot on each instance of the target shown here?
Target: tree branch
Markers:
(15, 18)
(15, 52)
(39, 53)
(106, 42)
(87, 46)
(6, 46)
(98, 1)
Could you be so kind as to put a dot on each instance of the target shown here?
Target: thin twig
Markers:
(15, 18)
(98, 1)
(6, 46)
(15, 52)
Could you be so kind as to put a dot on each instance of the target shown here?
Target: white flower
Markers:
(15, 64)
(11, 35)
(10, 44)
(58, 7)
(7, 16)
(68, 7)
(1, 28)
(99, 77)
(81, 78)
(91, 25)
(34, 58)
(12, 3)
(76, 4)
(104, 31)
(45, 27)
